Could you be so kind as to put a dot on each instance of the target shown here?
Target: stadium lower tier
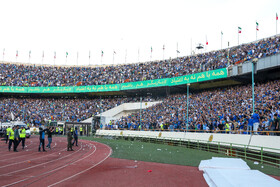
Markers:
(218, 109)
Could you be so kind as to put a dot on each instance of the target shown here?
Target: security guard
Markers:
(22, 136)
(7, 133)
(11, 139)
(61, 130)
(227, 127)
(56, 130)
(161, 126)
(81, 131)
(71, 130)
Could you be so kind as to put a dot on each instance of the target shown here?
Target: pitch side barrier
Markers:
(186, 79)
(263, 149)
(268, 133)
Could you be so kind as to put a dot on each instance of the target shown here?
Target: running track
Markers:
(88, 165)
(56, 167)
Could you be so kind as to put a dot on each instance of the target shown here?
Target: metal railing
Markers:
(263, 155)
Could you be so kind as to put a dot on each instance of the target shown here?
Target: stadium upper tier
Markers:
(49, 76)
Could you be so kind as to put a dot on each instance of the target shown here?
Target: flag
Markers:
(222, 33)
(12, 116)
(43, 55)
(29, 54)
(102, 53)
(115, 52)
(54, 55)
(177, 51)
(66, 54)
(163, 48)
(89, 54)
(257, 26)
(17, 54)
(151, 49)
(239, 29)
(206, 41)
(3, 51)
(276, 16)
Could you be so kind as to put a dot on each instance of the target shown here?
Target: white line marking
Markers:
(85, 169)
(30, 159)
(40, 164)
(22, 155)
(49, 171)
(10, 153)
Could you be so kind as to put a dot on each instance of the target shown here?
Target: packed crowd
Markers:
(31, 75)
(224, 109)
(37, 112)
(220, 109)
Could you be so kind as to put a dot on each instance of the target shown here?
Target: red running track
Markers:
(82, 167)
(87, 166)
(55, 167)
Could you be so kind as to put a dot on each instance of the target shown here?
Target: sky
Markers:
(128, 27)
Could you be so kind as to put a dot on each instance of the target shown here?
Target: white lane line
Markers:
(11, 151)
(32, 159)
(84, 170)
(24, 154)
(49, 171)
(41, 163)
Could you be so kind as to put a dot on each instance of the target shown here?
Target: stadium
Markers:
(210, 117)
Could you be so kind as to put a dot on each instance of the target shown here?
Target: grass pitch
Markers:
(160, 153)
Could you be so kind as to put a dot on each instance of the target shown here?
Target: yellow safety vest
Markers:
(22, 133)
(56, 129)
(81, 129)
(8, 130)
(60, 129)
(12, 137)
(72, 129)
(227, 127)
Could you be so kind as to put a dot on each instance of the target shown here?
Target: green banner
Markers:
(197, 77)
(97, 88)
(11, 89)
(66, 89)
(144, 84)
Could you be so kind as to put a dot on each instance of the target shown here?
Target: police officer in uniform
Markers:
(69, 140)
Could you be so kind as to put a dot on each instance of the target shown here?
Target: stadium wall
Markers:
(241, 139)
